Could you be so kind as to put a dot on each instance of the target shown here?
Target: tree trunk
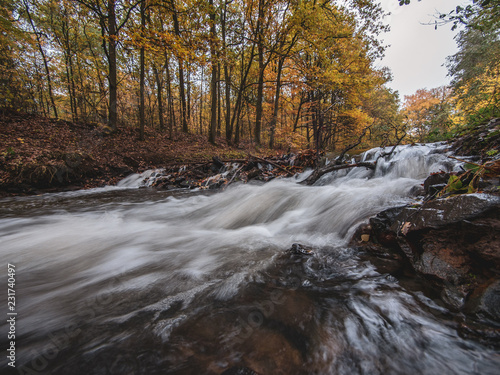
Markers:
(141, 89)
(182, 94)
(297, 117)
(260, 83)
(213, 83)
(112, 74)
(227, 83)
(188, 89)
(274, 120)
(159, 89)
(45, 62)
(227, 77)
(182, 90)
(65, 43)
(219, 101)
(73, 88)
(171, 114)
(238, 105)
(237, 131)
(70, 92)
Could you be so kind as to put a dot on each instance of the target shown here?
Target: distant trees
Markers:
(12, 92)
(274, 72)
(281, 73)
(388, 125)
(475, 68)
(429, 114)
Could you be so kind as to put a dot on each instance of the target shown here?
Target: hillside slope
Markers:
(41, 154)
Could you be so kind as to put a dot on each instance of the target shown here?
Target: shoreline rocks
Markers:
(453, 244)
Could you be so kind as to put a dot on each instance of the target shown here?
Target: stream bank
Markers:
(451, 246)
(39, 154)
(449, 241)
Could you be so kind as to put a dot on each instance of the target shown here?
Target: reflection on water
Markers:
(128, 281)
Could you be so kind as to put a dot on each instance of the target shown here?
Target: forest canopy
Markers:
(281, 73)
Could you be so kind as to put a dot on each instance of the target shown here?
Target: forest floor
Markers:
(38, 154)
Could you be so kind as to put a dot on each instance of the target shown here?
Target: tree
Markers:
(111, 23)
(213, 82)
(276, 66)
(13, 95)
(142, 74)
(428, 114)
(383, 106)
(475, 69)
(480, 15)
(27, 10)
(335, 57)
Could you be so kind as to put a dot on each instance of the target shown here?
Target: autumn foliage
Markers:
(281, 73)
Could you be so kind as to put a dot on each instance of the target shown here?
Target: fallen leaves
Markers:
(85, 155)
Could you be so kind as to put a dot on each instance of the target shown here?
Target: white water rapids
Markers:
(130, 281)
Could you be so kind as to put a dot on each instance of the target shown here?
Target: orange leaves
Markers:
(286, 139)
(428, 112)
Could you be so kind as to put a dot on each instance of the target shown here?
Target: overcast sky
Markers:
(417, 52)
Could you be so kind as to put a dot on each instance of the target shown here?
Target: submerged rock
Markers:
(239, 371)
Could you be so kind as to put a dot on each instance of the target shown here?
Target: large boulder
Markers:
(452, 243)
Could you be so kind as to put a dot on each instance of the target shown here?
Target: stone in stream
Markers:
(298, 249)
(452, 243)
(239, 371)
(434, 184)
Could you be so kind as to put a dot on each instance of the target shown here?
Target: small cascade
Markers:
(414, 162)
(144, 179)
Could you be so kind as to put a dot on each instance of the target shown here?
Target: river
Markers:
(122, 280)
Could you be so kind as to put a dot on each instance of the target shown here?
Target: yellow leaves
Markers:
(420, 101)
(474, 95)
(158, 41)
(428, 111)
(359, 117)
(286, 138)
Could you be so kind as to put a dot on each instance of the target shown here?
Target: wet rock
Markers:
(384, 260)
(381, 227)
(261, 331)
(298, 249)
(239, 371)
(362, 234)
(486, 300)
(453, 243)
(377, 244)
(434, 184)
(217, 165)
(441, 212)
(480, 140)
(416, 191)
(435, 179)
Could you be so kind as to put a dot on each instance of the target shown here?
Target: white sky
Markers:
(417, 52)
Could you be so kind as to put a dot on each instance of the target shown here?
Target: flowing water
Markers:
(137, 281)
